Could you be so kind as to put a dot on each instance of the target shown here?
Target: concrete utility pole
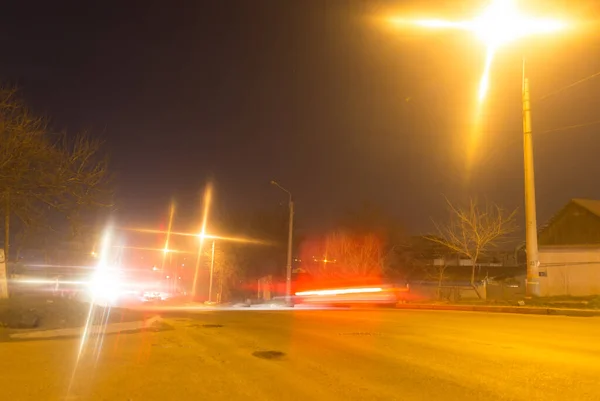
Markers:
(196, 272)
(531, 244)
(3, 276)
(212, 269)
(288, 278)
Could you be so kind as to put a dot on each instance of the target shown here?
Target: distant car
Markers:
(377, 294)
(153, 296)
(281, 301)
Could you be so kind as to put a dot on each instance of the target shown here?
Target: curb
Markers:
(96, 329)
(504, 309)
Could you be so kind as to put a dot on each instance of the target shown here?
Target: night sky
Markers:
(324, 96)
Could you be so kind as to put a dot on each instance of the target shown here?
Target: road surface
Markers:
(318, 355)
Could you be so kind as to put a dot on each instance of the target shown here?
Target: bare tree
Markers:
(226, 270)
(24, 154)
(438, 273)
(473, 230)
(341, 254)
(41, 173)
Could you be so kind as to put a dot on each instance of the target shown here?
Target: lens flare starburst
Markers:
(499, 24)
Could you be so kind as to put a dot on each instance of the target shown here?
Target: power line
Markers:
(567, 127)
(569, 86)
(559, 264)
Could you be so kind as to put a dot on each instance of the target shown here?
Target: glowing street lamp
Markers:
(166, 248)
(499, 24)
(207, 199)
(202, 236)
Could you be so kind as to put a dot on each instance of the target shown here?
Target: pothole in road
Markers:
(206, 326)
(272, 355)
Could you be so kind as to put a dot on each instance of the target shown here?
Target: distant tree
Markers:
(370, 219)
(365, 242)
(342, 254)
(473, 230)
(439, 270)
(226, 269)
(41, 172)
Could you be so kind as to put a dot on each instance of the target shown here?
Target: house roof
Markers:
(592, 206)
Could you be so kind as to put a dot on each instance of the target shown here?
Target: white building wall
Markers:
(570, 271)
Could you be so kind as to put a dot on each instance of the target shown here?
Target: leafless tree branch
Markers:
(41, 175)
(473, 230)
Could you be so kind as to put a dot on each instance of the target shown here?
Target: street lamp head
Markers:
(273, 182)
(500, 23)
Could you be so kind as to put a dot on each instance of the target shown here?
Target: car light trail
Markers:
(340, 291)
(49, 281)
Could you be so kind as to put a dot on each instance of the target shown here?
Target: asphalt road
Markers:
(325, 355)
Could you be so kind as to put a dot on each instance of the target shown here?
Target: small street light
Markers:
(288, 278)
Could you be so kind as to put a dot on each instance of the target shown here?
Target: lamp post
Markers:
(531, 241)
(214, 238)
(212, 269)
(498, 25)
(203, 236)
(288, 277)
(196, 273)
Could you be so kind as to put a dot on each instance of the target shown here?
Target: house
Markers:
(429, 266)
(569, 250)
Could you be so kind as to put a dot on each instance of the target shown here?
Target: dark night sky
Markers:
(323, 96)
